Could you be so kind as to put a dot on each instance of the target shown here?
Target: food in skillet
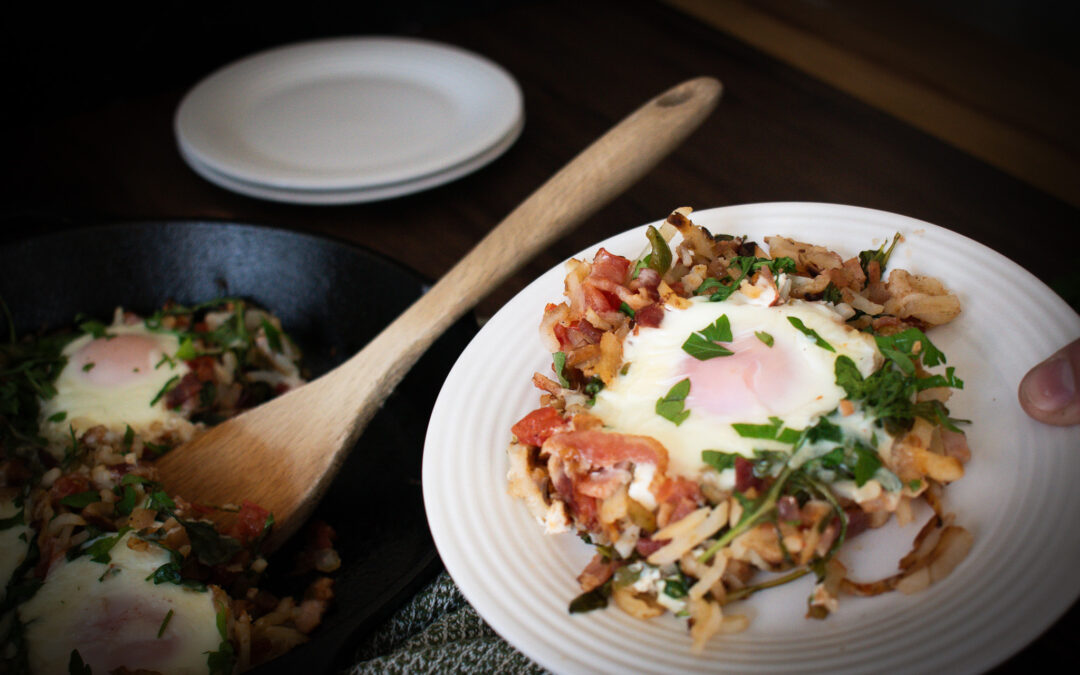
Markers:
(721, 419)
(102, 569)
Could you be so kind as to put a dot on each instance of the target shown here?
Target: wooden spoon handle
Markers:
(590, 181)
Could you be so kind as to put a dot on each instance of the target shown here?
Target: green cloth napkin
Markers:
(437, 631)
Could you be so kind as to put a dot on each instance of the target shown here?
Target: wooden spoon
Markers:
(283, 454)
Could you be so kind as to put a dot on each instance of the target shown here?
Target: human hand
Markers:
(1048, 391)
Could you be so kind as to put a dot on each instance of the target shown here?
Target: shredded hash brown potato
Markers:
(748, 519)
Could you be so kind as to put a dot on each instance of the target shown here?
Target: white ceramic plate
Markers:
(1019, 496)
(347, 113)
(358, 195)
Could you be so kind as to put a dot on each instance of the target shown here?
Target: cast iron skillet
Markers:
(332, 298)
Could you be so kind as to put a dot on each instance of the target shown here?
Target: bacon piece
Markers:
(956, 444)
(536, 427)
(603, 284)
(607, 265)
(744, 475)
(650, 315)
(186, 389)
(603, 483)
(787, 507)
(682, 494)
(600, 448)
(596, 573)
(203, 367)
(646, 547)
(647, 278)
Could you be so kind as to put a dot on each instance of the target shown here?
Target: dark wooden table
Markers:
(88, 138)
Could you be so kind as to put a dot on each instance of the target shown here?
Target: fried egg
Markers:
(777, 369)
(115, 616)
(116, 381)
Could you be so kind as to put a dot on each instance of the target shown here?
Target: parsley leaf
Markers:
(81, 500)
(911, 344)
(670, 407)
(866, 465)
(186, 352)
(98, 549)
(702, 344)
(719, 460)
(764, 337)
(771, 431)
(208, 545)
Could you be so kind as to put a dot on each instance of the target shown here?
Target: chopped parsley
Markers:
(559, 359)
(165, 389)
(888, 394)
(165, 623)
(739, 268)
(764, 337)
(810, 333)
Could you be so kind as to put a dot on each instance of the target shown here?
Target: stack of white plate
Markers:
(348, 120)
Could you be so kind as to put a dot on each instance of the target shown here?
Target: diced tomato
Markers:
(250, 522)
(538, 426)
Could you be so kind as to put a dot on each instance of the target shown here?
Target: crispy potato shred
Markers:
(691, 545)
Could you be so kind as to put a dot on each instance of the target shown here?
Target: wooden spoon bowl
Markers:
(283, 454)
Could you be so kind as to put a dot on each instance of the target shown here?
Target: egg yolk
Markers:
(735, 387)
(117, 360)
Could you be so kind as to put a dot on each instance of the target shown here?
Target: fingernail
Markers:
(1052, 385)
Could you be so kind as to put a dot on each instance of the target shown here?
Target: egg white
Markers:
(657, 362)
(112, 614)
(86, 403)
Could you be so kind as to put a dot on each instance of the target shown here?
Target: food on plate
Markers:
(100, 568)
(721, 418)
